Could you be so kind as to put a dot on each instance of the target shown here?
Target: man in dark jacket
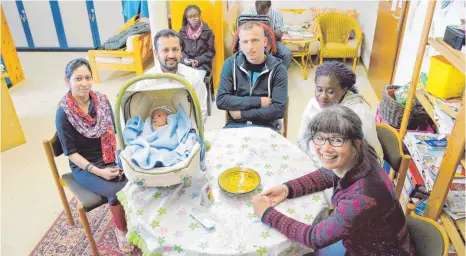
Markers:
(253, 85)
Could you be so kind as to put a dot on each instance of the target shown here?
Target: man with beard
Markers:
(168, 47)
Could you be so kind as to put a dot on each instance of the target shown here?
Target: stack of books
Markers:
(427, 151)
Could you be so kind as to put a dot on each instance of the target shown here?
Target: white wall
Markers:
(367, 16)
(450, 15)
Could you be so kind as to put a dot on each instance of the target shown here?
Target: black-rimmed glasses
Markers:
(334, 141)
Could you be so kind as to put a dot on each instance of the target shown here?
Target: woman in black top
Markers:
(86, 128)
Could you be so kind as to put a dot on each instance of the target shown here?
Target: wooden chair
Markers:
(427, 236)
(284, 131)
(87, 200)
(209, 84)
(139, 49)
(333, 30)
(393, 154)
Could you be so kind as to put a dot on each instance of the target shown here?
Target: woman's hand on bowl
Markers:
(276, 194)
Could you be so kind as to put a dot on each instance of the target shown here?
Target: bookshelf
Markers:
(454, 153)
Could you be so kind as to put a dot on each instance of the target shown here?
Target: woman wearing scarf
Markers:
(198, 40)
(86, 128)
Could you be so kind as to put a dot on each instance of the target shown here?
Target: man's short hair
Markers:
(263, 4)
(250, 25)
(167, 33)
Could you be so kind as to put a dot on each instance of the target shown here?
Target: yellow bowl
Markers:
(239, 181)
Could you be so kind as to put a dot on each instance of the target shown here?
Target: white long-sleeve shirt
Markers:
(355, 102)
(195, 77)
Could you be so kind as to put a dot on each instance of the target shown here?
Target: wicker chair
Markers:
(333, 30)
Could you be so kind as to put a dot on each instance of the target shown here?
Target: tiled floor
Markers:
(30, 202)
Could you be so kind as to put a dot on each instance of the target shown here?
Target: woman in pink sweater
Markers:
(368, 219)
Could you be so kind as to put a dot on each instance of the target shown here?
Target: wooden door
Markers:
(388, 37)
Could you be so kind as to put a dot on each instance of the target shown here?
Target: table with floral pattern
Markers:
(159, 221)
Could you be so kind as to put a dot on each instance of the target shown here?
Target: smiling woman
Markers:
(86, 129)
(368, 219)
(335, 85)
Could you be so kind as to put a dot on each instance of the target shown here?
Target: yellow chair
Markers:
(393, 154)
(333, 30)
(427, 236)
(139, 50)
(87, 200)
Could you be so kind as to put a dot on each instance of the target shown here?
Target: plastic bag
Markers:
(401, 94)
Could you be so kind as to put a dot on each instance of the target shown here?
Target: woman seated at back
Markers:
(86, 128)
(368, 218)
(334, 84)
(198, 39)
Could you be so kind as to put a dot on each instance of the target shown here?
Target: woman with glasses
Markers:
(368, 219)
(335, 84)
(198, 39)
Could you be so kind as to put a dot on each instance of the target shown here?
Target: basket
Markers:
(392, 111)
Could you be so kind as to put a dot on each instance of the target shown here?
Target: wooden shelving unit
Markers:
(455, 57)
(454, 153)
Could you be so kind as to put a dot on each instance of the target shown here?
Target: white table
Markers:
(159, 223)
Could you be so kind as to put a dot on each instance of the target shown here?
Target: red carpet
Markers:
(64, 239)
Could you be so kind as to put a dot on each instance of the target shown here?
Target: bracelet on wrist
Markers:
(89, 167)
(286, 190)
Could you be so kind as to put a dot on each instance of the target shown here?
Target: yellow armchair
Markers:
(333, 30)
(139, 49)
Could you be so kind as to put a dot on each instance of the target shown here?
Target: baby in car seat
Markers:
(159, 117)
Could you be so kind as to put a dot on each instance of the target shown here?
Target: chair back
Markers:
(53, 149)
(55, 143)
(388, 138)
(336, 27)
(427, 236)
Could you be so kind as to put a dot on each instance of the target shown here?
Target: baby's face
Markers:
(159, 117)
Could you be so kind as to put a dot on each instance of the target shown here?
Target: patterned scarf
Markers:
(100, 127)
(194, 35)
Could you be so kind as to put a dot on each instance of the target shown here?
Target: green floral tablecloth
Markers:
(159, 220)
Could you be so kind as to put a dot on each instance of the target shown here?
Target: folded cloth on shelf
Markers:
(162, 147)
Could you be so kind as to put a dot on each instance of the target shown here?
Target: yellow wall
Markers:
(230, 16)
(212, 14)
(12, 134)
(9, 54)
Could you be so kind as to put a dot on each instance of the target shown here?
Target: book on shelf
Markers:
(427, 151)
(456, 198)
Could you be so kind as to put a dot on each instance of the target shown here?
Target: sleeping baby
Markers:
(163, 139)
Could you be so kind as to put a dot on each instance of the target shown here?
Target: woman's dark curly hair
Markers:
(189, 7)
(339, 71)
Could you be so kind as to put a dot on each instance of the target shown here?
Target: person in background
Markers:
(278, 27)
(198, 39)
(86, 129)
(167, 48)
(335, 84)
(253, 84)
(368, 218)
